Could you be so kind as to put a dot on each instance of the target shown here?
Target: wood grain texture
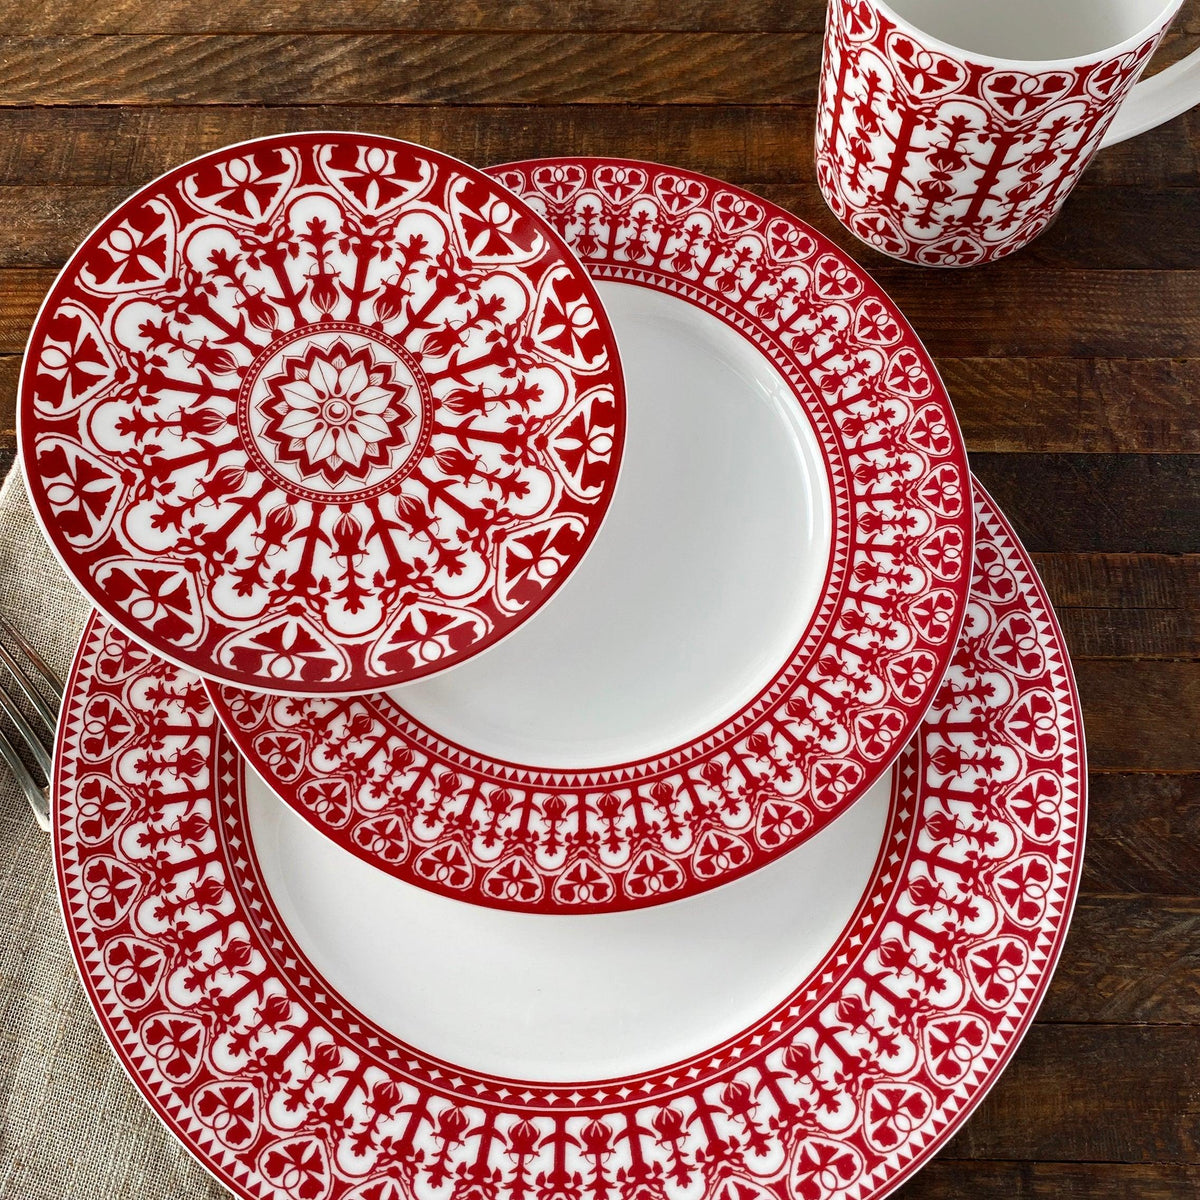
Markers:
(1169, 155)
(1125, 605)
(598, 67)
(1143, 835)
(1052, 1181)
(1140, 716)
(123, 148)
(1076, 405)
(1098, 503)
(1092, 1093)
(273, 16)
(21, 294)
(1005, 310)
(1129, 960)
(1103, 228)
(253, 16)
(756, 145)
(430, 16)
(412, 68)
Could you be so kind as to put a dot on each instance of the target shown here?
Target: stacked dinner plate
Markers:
(559, 722)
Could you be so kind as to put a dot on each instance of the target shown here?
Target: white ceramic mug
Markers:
(949, 132)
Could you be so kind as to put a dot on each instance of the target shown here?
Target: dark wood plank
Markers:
(1140, 716)
(1129, 960)
(252, 16)
(41, 226)
(1092, 1093)
(123, 147)
(1108, 503)
(1105, 228)
(420, 68)
(1090, 404)
(10, 369)
(1169, 155)
(1126, 227)
(21, 294)
(1143, 834)
(273, 16)
(412, 68)
(1007, 310)
(1052, 1181)
(1125, 605)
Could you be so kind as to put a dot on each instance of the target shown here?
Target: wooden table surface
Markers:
(1074, 366)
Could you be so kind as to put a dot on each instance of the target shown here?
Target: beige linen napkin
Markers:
(72, 1126)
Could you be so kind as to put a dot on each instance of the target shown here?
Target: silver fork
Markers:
(18, 657)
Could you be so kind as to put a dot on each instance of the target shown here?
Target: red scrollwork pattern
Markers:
(296, 413)
(842, 1091)
(938, 159)
(846, 701)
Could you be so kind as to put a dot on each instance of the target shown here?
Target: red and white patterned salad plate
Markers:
(321, 413)
(755, 635)
(313, 1029)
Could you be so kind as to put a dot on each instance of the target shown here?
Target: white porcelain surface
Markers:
(1032, 29)
(698, 586)
(558, 997)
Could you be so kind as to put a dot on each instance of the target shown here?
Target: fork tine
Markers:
(28, 734)
(28, 690)
(47, 672)
(37, 795)
(33, 792)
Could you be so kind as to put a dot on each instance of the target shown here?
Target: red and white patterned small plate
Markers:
(321, 413)
(754, 637)
(248, 1010)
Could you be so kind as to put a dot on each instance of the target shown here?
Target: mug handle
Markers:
(1172, 91)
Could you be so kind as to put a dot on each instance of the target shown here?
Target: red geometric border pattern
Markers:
(321, 413)
(281, 1090)
(512, 836)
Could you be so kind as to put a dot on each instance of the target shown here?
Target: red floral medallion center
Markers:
(335, 409)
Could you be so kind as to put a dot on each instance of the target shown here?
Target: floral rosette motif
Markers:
(934, 158)
(321, 413)
(844, 1089)
(840, 708)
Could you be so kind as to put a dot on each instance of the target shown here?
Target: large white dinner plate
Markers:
(314, 1029)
